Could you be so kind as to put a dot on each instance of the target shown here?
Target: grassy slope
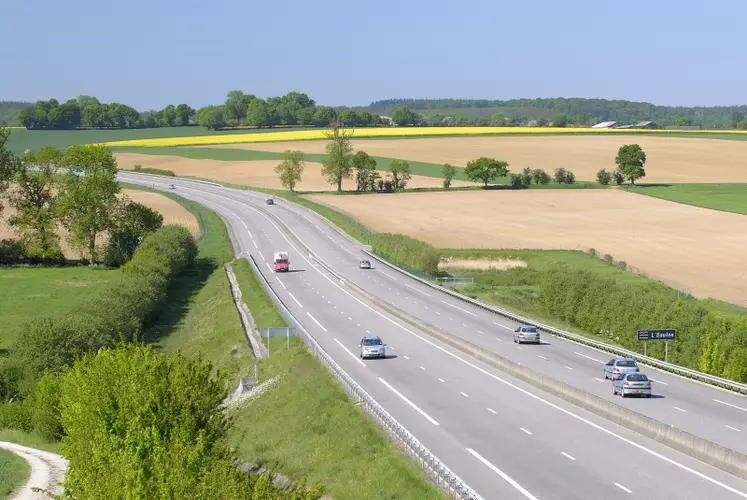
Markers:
(306, 425)
(29, 439)
(14, 471)
(25, 291)
(725, 197)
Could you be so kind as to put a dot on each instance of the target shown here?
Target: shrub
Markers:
(604, 178)
(608, 258)
(11, 252)
(622, 264)
(154, 171)
(403, 250)
(46, 408)
(518, 181)
(541, 177)
(618, 177)
(563, 176)
(593, 252)
(16, 415)
(526, 177)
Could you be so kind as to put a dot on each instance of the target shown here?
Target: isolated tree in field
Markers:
(9, 163)
(604, 177)
(211, 117)
(338, 165)
(365, 171)
(486, 169)
(448, 171)
(290, 169)
(631, 160)
(133, 222)
(399, 171)
(89, 204)
(34, 197)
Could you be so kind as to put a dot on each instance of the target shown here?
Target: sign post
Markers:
(665, 335)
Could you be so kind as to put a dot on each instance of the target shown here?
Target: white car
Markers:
(364, 264)
(171, 186)
(371, 346)
(527, 333)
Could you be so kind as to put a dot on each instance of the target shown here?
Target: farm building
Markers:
(605, 125)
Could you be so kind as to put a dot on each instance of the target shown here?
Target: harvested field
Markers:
(688, 247)
(253, 173)
(497, 264)
(173, 213)
(669, 159)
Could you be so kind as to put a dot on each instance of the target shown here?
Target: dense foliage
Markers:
(86, 111)
(403, 250)
(562, 111)
(154, 171)
(9, 112)
(141, 424)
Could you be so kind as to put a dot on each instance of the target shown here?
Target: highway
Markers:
(503, 437)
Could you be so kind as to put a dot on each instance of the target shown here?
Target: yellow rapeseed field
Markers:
(301, 135)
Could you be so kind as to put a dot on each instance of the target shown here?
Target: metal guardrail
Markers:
(647, 360)
(436, 470)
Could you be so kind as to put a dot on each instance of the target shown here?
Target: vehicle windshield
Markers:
(628, 363)
(638, 377)
(529, 329)
(281, 261)
(371, 341)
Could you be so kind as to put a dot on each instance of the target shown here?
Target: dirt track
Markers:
(252, 173)
(173, 213)
(688, 247)
(669, 159)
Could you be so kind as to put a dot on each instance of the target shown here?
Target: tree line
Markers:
(77, 190)
(577, 110)
(89, 112)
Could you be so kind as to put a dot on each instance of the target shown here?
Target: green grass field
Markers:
(27, 291)
(14, 471)
(22, 139)
(725, 197)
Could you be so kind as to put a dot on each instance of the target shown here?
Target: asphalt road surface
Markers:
(505, 438)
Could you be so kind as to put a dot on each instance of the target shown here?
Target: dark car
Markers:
(270, 201)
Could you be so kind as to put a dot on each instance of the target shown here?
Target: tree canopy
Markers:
(630, 161)
(290, 169)
(486, 169)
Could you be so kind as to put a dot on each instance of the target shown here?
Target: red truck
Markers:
(280, 259)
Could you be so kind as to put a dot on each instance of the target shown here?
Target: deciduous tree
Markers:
(133, 222)
(184, 114)
(235, 106)
(630, 160)
(338, 165)
(211, 117)
(257, 113)
(89, 204)
(405, 116)
(34, 197)
(365, 171)
(399, 171)
(290, 169)
(486, 169)
(448, 171)
(604, 177)
(9, 163)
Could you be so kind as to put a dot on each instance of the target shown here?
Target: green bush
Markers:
(603, 177)
(400, 249)
(155, 171)
(45, 414)
(518, 181)
(16, 415)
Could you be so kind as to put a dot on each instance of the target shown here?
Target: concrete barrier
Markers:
(711, 453)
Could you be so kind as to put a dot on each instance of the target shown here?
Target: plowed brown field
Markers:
(669, 159)
(688, 247)
(253, 173)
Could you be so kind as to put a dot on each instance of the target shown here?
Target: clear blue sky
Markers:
(152, 53)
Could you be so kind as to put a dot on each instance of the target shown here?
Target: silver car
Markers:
(372, 347)
(632, 384)
(616, 366)
(364, 264)
(526, 333)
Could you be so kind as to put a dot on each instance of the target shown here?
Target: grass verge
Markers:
(724, 197)
(306, 426)
(26, 290)
(29, 439)
(14, 471)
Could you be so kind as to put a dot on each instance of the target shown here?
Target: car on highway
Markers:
(364, 264)
(171, 186)
(526, 333)
(372, 346)
(615, 366)
(632, 384)
(270, 201)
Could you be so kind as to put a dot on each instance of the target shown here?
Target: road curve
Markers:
(505, 438)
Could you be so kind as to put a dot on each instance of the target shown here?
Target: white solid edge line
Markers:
(495, 377)
(588, 357)
(349, 352)
(413, 405)
(503, 475)
(457, 307)
(626, 490)
(281, 283)
(315, 321)
(294, 298)
(409, 286)
(729, 404)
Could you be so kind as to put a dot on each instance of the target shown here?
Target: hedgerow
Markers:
(403, 250)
